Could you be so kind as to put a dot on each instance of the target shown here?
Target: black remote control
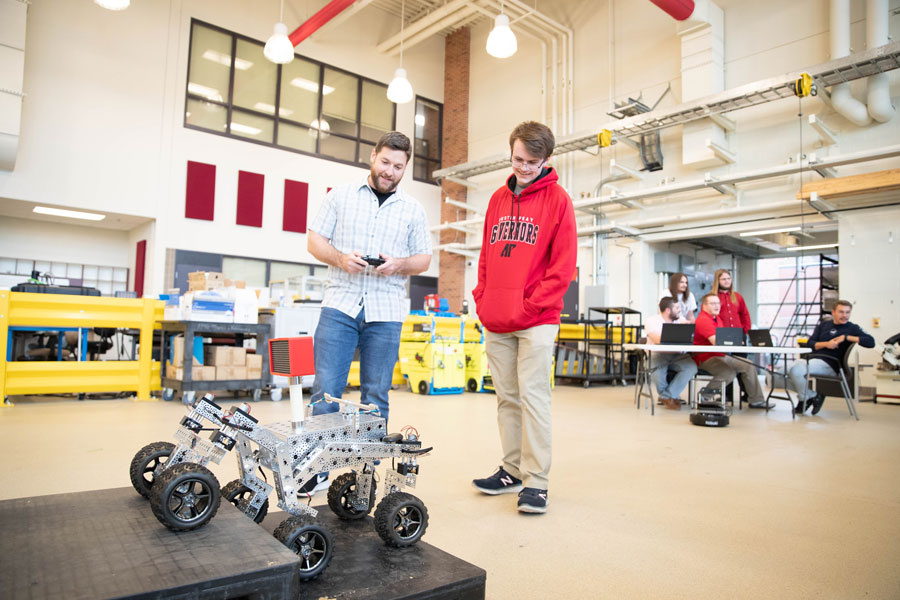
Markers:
(375, 261)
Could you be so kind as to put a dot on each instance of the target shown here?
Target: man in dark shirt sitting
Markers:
(723, 368)
(830, 342)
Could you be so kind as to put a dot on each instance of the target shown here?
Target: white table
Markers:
(693, 349)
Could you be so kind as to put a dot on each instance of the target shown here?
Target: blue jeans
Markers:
(336, 339)
(797, 375)
(684, 366)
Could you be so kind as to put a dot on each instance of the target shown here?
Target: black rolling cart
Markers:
(238, 331)
(627, 331)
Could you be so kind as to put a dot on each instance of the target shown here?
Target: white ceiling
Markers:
(21, 209)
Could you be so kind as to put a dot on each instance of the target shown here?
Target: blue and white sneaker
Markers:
(533, 500)
(500, 482)
(316, 484)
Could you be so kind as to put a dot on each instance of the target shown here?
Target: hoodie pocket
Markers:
(502, 310)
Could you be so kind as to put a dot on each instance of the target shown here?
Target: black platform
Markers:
(108, 544)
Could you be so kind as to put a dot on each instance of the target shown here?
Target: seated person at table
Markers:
(662, 362)
(830, 342)
(722, 367)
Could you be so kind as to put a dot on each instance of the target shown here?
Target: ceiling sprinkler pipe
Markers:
(677, 9)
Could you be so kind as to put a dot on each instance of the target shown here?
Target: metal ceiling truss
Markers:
(856, 66)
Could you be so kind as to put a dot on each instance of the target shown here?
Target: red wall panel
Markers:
(296, 194)
(250, 198)
(200, 196)
(140, 258)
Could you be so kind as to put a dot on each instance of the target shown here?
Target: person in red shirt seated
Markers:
(734, 311)
(722, 367)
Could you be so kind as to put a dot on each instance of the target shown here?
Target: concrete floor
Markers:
(641, 506)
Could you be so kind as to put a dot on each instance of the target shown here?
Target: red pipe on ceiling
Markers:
(677, 9)
(327, 13)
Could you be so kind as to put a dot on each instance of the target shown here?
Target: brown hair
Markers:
(715, 287)
(665, 304)
(395, 141)
(843, 303)
(537, 138)
(674, 280)
(705, 299)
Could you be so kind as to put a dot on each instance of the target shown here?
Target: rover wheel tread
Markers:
(239, 494)
(145, 462)
(401, 519)
(339, 497)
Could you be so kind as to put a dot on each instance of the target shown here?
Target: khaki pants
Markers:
(726, 368)
(521, 364)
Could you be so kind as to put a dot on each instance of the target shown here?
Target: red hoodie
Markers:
(528, 255)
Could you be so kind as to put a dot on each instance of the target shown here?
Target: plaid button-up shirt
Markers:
(351, 218)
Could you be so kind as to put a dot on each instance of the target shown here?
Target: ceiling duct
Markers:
(12, 77)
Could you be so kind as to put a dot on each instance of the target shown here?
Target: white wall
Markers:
(56, 242)
(102, 121)
(869, 267)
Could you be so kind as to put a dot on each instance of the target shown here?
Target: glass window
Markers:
(339, 105)
(207, 115)
(279, 271)
(300, 91)
(427, 145)
(210, 66)
(250, 270)
(247, 125)
(254, 78)
(303, 106)
(377, 113)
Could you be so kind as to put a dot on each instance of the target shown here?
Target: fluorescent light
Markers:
(400, 90)
(818, 247)
(310, 86)
(279, 48)
(113, 4)
(319, 126)
(245, 129)
(420, 119)
(268, 108)
(207, 92)
(501, 42)
(768, 231)
(71, 214)
(224, 59)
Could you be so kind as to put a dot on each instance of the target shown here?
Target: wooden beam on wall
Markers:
(853, 185)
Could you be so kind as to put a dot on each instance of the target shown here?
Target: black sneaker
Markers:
(817, 403)
(500, 482)
(316, 484)
(533, 500)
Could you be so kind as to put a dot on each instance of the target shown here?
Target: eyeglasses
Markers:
(527, 165)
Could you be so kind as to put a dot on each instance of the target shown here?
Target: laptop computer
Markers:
(761, 337)
(729, 336)
(677, 333)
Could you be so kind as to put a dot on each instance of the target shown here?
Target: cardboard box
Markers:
(205, 280)
(254, 361)
(197, 373)
(238, 356)
(178, 351)
(217, 356)
(254, 373)
(228, 373)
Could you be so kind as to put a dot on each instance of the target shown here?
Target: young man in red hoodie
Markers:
(528, 256)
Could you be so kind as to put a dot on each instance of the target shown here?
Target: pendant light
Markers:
(279, 48)
(501, 42)
(113, 4)
(400, 90)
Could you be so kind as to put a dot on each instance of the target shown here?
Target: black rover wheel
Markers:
(308, 540)
(240, 495)
(343, 499)
(401, 519)
(145, 463)
(185, 497)
(424, 388)
(473, 385)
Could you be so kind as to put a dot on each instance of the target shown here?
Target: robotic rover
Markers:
(184, 494)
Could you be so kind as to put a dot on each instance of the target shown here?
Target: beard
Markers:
(380, 185)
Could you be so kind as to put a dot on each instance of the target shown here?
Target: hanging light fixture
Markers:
(400, 90)
(279, 48)
(113, 4)
(501, 42)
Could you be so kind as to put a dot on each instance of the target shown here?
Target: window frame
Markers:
(228, 103)
(427, 160)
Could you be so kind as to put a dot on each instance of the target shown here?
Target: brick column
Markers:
(454, 150)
